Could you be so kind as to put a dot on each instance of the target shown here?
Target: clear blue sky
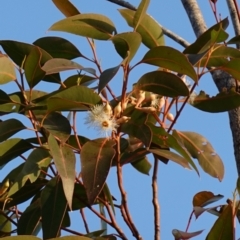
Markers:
(29, 20)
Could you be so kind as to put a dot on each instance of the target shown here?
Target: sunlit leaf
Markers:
(7, 71)
(106, 76)
(202, 199)
(96, 158)
(127, 44)
(148, 28)
(87, 25)
(170, 58)
(53, 208)
(222, 102)
(201, 149)
(140, 13)
(223, 228)
(22, 237)
(143, 165)
(66, 7)
(58, 125)
(64, 159)
(163, 83)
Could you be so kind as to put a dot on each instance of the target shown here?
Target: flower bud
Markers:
(140, 98)
(123, 119)
(170, 117)
(117, 110)
(108, 109)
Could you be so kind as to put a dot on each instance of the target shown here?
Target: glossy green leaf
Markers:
(22, 237)
(223, 228)
(172, 156)
(106, 76)
(143, 165)
(148, 28)
(94, 26)
(204, 198)
(163, 139)
(163, 83)
(58, 47)
(222, 102)
(39, 159)
(53, 208)
(5, 226)
(201, 149)
(29, 223)
(127, 44)
(170, 58)
(66, 7)
(10, 127)
(96, 159)
(12, 148)
(7, 71)
(58, 125)
(64, 159)
(214, 34)
(180, 235)
(32, 67)
(140, 13)
(232, 67)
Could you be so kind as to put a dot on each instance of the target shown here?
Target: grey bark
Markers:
(221, 78)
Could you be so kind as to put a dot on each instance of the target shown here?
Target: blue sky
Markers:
(29, 20)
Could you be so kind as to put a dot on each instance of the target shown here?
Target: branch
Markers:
(123, 4)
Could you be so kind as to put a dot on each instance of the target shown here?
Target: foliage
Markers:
(139, 123)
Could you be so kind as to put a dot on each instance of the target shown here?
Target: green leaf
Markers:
(71, 238)
(58, 125)
(238, 185)
(72, 141)
(204, 198)
(213, 35)
(143, 165)
(201, 149)
(64, 159)
(148, 28)
(10, 127)
(132, 156)
(32, 67)
(7, 71)
(163, 83)
(39, 159)
(66, 7)
(53, 208)
(108, 196)
(223, 228)
(94, 26)
(170, 58)
(29, 222)
(80, 199)
(232, 67)
(106, 76)
(58, 47)
(140, 13)
(22, 237)
(234, 40)
(222, 102)
(12, 148)
(127, 44)
(96, 159)
(5, 226)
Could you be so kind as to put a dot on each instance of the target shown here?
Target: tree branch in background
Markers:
(221, 78)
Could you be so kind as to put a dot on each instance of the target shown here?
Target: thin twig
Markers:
(189, 220)
(123, 4)
(75, 130)
(84, 220)
(155, 202)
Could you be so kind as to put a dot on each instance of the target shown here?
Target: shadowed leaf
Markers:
(232, 67)
(5, 226)
(66, 7)
(180, 235)
(94, 26)
(143, 165)
(96, 159)
(64, 159)
(7, 71)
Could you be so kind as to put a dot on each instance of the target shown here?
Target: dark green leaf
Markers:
(127, 44)
(53, 208)
(5, 226)
(87, 25)
(29, 222)
(132, 156)
(66, 7)
(201, 149)
(64, 159)
(106, 76)
(10, 127)
(140, 13)
(7, 71)
(32, 67)
(58, 47)
(213, 35)
(143, 165)
(96, 159)
(80, 199)
(238, 185)
(163, 83)
(223, 228)
(58, 125)
(234, 40)
(12, 148)
(148, 28)
(72, 141)
(222, 102)
(232, 67)
(170, 58)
